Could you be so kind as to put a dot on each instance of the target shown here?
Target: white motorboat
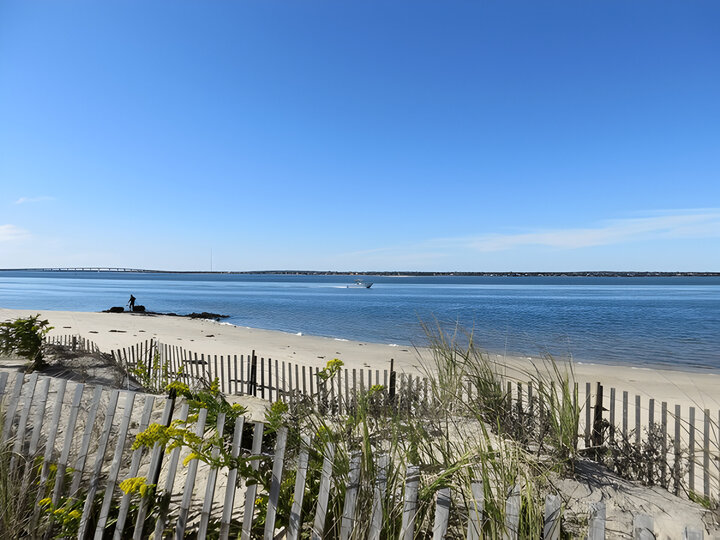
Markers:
(360, 284)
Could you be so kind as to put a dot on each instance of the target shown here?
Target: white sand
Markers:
(116, 330)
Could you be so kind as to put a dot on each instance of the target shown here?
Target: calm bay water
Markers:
(670, 322)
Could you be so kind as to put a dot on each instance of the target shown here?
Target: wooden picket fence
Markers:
(27, 406)
(74, 342)
(689, 439)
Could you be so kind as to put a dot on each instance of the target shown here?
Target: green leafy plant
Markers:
(24, 337)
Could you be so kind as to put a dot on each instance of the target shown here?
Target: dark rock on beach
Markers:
(206, 315)
(143, 311)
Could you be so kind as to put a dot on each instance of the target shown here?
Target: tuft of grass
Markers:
(18, 492)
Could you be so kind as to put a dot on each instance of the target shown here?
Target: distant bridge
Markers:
(81, 269)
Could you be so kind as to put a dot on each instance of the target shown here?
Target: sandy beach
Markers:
(113, 331)
(117, 330)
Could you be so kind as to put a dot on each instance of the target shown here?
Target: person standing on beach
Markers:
(131, 303)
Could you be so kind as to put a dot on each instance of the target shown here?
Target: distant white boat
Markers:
(360, 284)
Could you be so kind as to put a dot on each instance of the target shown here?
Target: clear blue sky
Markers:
(360, 135)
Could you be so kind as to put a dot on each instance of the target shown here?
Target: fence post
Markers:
(392, 381)
(597, 435)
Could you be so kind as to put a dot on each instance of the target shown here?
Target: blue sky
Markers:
(360, 135)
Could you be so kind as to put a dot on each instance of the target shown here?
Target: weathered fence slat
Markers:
(99, 459)
(706, 454)
(612, 414)
(115, 465)
(676, 463)
(351, 493)
(300, 477)
(3, 383)
(134, 467)
(212, 478)
(158, 452)
(39, 415)
(691, 450)
(324, 493)
(12, 406)
(250, 490)
(412, 484)
(643, 527)
(49, 447)
(512, 514)
(89, 428)
(596, 521)
(274, 494)
(477, 507)
(182, 518)
(663, 442)
(379, 490)
(69, 430)
(691, 533)
(551, 528)
(232, 478)
(442, 514)
(22, 423)
(625, 407)
(169, 482)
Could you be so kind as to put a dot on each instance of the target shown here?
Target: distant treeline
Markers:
(594, 273)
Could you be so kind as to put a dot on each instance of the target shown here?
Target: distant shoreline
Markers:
(593, 273)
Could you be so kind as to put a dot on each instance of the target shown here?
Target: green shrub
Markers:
(24, 337)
